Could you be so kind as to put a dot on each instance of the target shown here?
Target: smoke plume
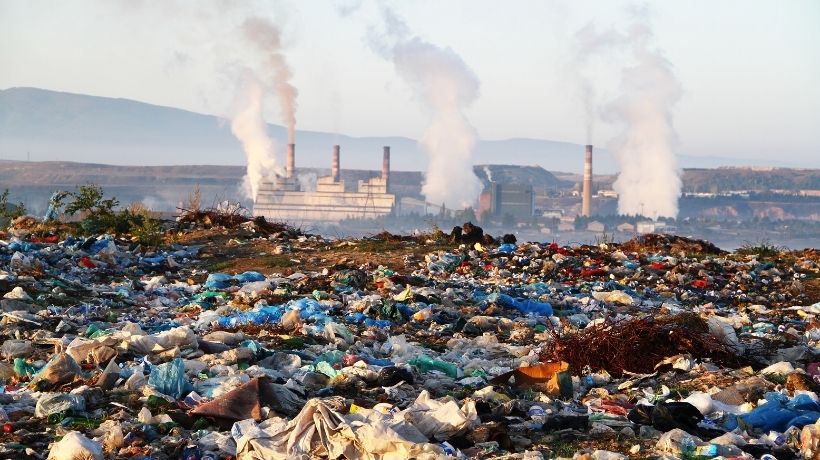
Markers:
(248, 125)
(263, 34)
(649, 181)
(445, 85)
(588, 42)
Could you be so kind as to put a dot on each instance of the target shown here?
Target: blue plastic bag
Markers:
(218, 281)
(525, 305)
(506, 248)
(779, 413)
(249, 277)
(169, 379)
(260, 316)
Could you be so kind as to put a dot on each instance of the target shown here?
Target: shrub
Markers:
(9, 212)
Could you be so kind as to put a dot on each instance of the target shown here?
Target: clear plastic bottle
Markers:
(687, 447)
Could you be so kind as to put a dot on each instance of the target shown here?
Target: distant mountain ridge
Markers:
(57, 126)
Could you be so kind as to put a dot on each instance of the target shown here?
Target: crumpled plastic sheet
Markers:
(318, 431)
(181, 337)
(441, 419)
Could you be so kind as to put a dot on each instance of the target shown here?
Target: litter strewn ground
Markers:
(239, 338)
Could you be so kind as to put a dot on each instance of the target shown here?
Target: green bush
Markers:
(98, 215)
(146, 230)
(9, 212)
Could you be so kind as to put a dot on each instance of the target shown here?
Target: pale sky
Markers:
(750, 69)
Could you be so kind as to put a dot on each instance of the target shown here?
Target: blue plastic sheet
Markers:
(526, 306)
(779, 413)
(260, 316)
(309, 310)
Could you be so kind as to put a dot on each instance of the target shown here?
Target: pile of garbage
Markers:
(469, 348)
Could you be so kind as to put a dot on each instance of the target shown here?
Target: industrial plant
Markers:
(288, 199)
(328, 199)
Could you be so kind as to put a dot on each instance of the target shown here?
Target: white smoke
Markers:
(307, 182)
(589, 42)
(489, 173)
(266, 37)
(248, 125)
(649, 181)
(443, 82)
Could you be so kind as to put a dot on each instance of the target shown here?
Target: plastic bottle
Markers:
(537, 415)
(423, 314)
(709, 450)
(22, 368)
(427, 364)
(687, 447)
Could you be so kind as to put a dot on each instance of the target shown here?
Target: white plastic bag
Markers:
(75, 446)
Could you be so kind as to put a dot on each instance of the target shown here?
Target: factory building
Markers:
(282, 198)
(500, 200)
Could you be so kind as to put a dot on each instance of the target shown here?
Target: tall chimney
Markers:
(334, 166)
(586, 204)
(291, 160)
(386, 166)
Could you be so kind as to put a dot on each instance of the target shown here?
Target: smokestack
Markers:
(386, 166)
(291, 160)
(586, 204)
(334, 166)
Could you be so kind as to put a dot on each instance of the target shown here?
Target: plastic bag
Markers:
(526, 306)
(441, 419)
(427, 364)
(75, 446)
(6, 371)
(169, 379)
(16, 349)
(54, 403)
(218, 281)
(249, 276)
(109, 376)
(318, 431)
(619, 297)
(61, 369)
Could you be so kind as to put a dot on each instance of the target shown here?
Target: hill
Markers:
(50, 125)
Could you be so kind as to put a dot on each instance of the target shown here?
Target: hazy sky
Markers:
(750, 70)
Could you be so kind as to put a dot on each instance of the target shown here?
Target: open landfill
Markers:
(236, 338)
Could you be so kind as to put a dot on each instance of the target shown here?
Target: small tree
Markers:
(89, 200)
(97, 212)
(194, 202)
(9, 212)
